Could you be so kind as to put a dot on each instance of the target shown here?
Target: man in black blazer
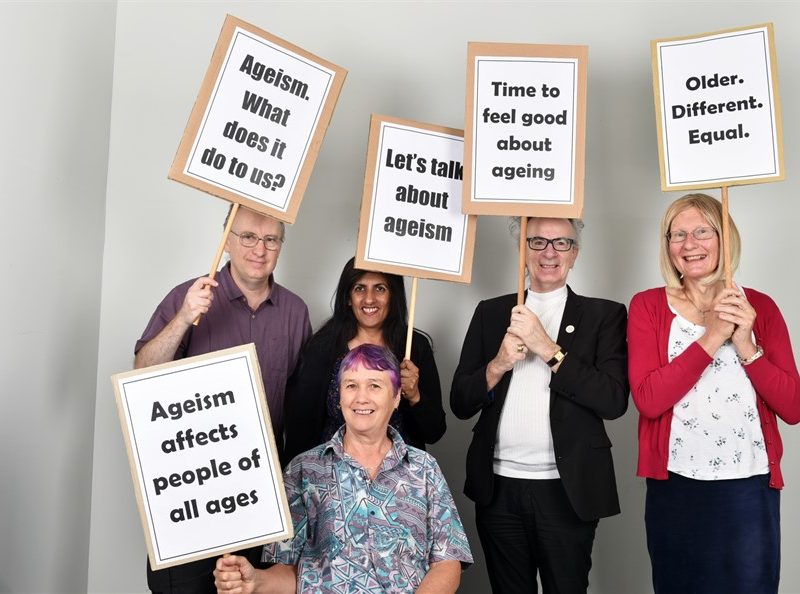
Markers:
(543, 376)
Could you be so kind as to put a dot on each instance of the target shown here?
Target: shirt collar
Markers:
(234, 293)
(396, 454)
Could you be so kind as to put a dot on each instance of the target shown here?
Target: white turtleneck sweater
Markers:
(524, 443)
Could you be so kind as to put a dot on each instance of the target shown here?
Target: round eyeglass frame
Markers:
(244, 240)
(683, 235)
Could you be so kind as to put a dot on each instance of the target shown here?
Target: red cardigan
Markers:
(657, 385)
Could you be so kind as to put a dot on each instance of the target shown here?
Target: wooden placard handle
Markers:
(726, 243)
(220, 249)
(412, 308)
(523, 230)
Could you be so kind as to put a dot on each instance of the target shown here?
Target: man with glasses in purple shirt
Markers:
(243, 304)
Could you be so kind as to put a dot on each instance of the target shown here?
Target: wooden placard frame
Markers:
(525, 205)
(255, 404)
(378, 125)
(234, 29)
(771, 70)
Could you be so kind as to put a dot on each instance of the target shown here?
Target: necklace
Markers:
(382, 451)
(703, 312)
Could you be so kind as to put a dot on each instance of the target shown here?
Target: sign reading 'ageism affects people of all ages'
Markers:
(259, 120)
(526, 121)
(203, 461)
(411, 217)
(718, 109)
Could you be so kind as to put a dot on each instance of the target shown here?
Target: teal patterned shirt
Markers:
(354, 535)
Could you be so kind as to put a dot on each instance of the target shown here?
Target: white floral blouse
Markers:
(715, 433)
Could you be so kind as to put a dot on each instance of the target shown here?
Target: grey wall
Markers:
(406, 60)
(55, 103)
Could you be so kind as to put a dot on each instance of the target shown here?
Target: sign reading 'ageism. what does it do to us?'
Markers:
(258, 123)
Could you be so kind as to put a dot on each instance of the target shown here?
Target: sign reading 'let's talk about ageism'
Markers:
(202, 455)
(411, 216)
(718, 109)
(259, 120)
(525, 129)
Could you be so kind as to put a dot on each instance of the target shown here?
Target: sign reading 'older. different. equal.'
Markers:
(203, 461)
(718, 109)
(411, 218)
(259, 120)
(525, 134)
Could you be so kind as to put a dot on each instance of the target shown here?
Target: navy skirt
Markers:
(710, 537)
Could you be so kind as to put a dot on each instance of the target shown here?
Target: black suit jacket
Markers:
(591, 385)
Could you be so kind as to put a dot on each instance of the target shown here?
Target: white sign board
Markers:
(205, 470)
(411, 218)
(525, 133)
(718, 109)
(258, 124)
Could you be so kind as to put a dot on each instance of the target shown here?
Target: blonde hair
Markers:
(711, 210)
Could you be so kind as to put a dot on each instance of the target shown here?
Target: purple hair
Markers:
(372, 356)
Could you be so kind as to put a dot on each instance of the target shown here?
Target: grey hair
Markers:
(281, 223)
(577, 227)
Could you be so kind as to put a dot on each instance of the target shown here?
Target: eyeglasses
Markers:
(700, 234)
(560, 244)
(249, 239)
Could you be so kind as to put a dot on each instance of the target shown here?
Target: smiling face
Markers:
(252, 266)
(367, 398)
(548, 268)
(370, 299)
(694, 259)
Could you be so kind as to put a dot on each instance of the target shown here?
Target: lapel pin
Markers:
(570, 329)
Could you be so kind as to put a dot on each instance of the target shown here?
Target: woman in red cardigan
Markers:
(710, 368)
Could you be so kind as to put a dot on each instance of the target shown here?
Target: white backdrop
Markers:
(405, 59)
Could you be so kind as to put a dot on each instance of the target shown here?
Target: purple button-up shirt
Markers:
(279, 328)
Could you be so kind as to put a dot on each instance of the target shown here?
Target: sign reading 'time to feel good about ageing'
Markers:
(525, 129)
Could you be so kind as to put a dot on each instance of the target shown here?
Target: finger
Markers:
(229, 578)
(205, 281)
(226, 585)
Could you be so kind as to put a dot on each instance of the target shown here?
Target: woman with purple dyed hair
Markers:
(366, 507)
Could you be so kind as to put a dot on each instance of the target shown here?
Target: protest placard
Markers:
(718, 109)
(258, 123)
(525, 129)
(411, 212)
(202, 456)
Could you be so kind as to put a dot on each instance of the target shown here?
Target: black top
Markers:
(313, 386)
(591, 385)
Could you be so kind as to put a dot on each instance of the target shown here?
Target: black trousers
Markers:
(530, 528)
(195, 577)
